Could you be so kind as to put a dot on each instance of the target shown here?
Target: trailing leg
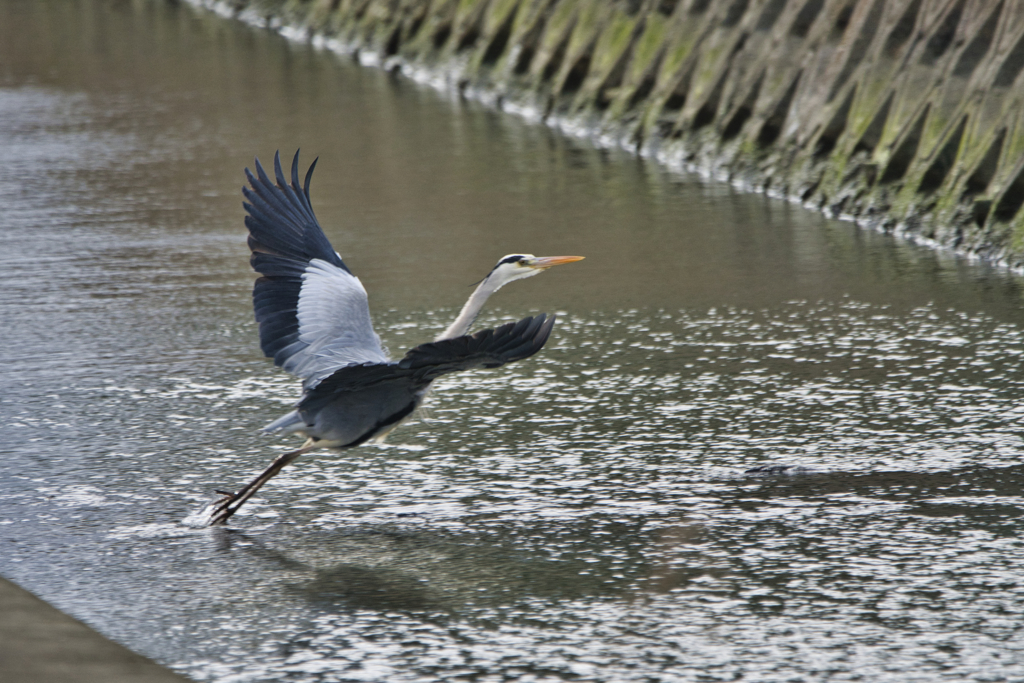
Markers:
(230, 504)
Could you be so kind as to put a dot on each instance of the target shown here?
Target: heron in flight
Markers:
(314, 322)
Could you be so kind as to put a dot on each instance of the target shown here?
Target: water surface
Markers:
(583, 515)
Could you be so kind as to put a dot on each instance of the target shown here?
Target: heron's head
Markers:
(519, 266)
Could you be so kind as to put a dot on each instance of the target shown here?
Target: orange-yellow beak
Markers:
(543, 262)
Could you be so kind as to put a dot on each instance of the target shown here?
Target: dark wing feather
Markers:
(486, 349)
(281, 221)
(312, 312)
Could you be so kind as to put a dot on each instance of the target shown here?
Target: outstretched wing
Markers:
(312, 311)
(485, 349)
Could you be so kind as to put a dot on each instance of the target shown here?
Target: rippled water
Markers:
(584, 515)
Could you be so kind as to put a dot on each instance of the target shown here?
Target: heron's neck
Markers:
(472, 308)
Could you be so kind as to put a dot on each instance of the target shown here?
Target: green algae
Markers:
(816, 102)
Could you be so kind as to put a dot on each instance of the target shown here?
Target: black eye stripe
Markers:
(514, 258)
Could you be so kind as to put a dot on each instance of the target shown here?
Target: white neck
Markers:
(472, 308)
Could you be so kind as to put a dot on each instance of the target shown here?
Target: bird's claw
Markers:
(222, 511)
(224, 508)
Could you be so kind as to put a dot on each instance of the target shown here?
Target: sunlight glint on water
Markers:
(583, 515)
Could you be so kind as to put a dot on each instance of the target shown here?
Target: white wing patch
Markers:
(334, 324)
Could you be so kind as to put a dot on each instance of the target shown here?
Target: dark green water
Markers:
(583, 515)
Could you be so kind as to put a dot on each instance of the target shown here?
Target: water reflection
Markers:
(390, 568)
(582, 515)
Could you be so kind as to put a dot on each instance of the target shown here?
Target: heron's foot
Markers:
(222, 509)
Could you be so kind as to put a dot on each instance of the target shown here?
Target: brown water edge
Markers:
(40, 644)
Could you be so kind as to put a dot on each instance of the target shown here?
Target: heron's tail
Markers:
(288, 423)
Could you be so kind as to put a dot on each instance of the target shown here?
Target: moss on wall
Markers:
(906, 115)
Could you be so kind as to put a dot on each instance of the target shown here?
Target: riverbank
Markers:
(41, 644)
(903, 116)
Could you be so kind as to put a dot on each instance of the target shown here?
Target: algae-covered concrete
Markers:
(905, 115)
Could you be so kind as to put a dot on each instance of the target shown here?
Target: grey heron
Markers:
(314, 321)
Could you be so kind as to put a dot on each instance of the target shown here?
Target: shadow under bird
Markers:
(314, 321)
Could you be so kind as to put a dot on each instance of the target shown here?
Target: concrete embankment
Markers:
(905, 115)
(40, 644)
